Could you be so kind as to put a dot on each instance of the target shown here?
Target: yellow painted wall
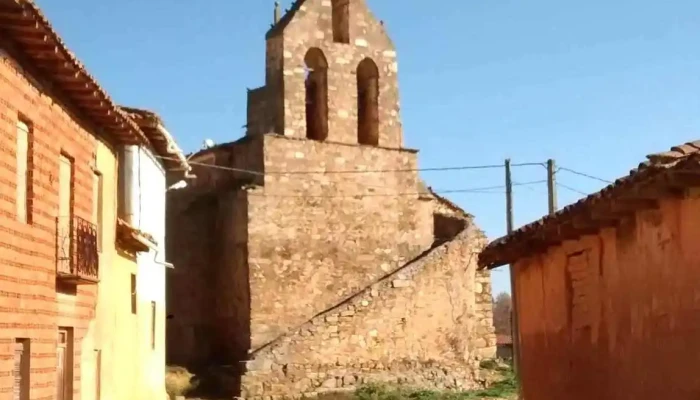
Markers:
(130, 368)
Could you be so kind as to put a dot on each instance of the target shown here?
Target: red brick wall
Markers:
(31, 306)
(615, 315)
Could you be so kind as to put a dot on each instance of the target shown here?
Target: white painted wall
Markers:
(145, 189)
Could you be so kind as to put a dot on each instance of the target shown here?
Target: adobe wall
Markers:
(614, 315)
(316, 236)
(422, 325)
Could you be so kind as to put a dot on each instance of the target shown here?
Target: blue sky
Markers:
(596, 85)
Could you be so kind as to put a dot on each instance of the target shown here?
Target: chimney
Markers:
(277, 12)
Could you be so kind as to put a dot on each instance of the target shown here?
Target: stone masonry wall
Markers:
(325, 236)
(190, 246)
(350, 257)
(421, 325)
(207, 292)
(311, 27)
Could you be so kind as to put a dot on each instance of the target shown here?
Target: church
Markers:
(310, 257)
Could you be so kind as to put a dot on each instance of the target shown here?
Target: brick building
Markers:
(66, 331)
(606, 289)
(314, 281)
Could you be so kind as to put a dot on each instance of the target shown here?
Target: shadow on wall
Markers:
(446, 227)
(208, 331)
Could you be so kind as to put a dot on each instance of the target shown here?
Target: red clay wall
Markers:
(616, 315)
(31, 306)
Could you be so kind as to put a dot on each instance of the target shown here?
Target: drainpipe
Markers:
(174, 149)
(153, 247)
(127, 173)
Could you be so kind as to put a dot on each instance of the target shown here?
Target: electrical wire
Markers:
(400, 194)
(584, 175)
(572, 189)
(258, 173)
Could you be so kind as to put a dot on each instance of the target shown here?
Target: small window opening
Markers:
(20, 370)
(316, 95)
(368, 103)
(97, 206)
(24, 179)
(153, 325)
(341, 21)
(134, 300)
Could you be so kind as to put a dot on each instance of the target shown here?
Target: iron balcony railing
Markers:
(77, 257)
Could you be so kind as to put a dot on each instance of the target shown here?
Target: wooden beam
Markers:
(43, 54)
(58, 66)
(31, 40)
(683, 179)
(21, 27)
(615, 209)
(95, 105)
(69, 79)
(19, 16)
(81, 89)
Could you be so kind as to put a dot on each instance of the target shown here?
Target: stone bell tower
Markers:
(331, 75)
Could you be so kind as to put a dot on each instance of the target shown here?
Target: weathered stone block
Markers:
(400, 283)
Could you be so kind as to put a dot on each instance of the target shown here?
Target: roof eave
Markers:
(636, 192)
(25, 25)
(160, 138)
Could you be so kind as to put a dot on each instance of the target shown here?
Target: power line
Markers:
(258, 173)
(572, 189)
(480, 190)
(584, 175)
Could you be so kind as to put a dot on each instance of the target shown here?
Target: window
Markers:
(97, 199)
(64, 362)
(24, 172)
(65, 213)
(578, 285)
(341, 21)
(98, 374)
(133, 294)
(316, 95)
(20, 372)
(368, 103)
(153, 325)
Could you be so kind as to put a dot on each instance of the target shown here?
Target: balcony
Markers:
(77, 260)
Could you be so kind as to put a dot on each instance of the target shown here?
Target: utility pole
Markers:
(513, 295)
(509, 199)
(551, 186)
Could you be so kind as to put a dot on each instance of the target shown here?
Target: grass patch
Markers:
(503, 389)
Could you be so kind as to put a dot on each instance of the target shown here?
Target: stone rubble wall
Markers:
(315, 239)
(423, 325)
(203, 222)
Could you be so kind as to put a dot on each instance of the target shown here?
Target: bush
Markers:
(179, 381)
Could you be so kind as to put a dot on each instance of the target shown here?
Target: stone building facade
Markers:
(310, 255)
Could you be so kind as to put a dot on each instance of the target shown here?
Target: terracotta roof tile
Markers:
(547, 230)
(23, 22)
(163, 144)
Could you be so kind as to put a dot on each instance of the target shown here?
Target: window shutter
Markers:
(17, 372)
(22, 169)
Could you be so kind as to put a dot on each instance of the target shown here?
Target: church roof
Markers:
(278, 28)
